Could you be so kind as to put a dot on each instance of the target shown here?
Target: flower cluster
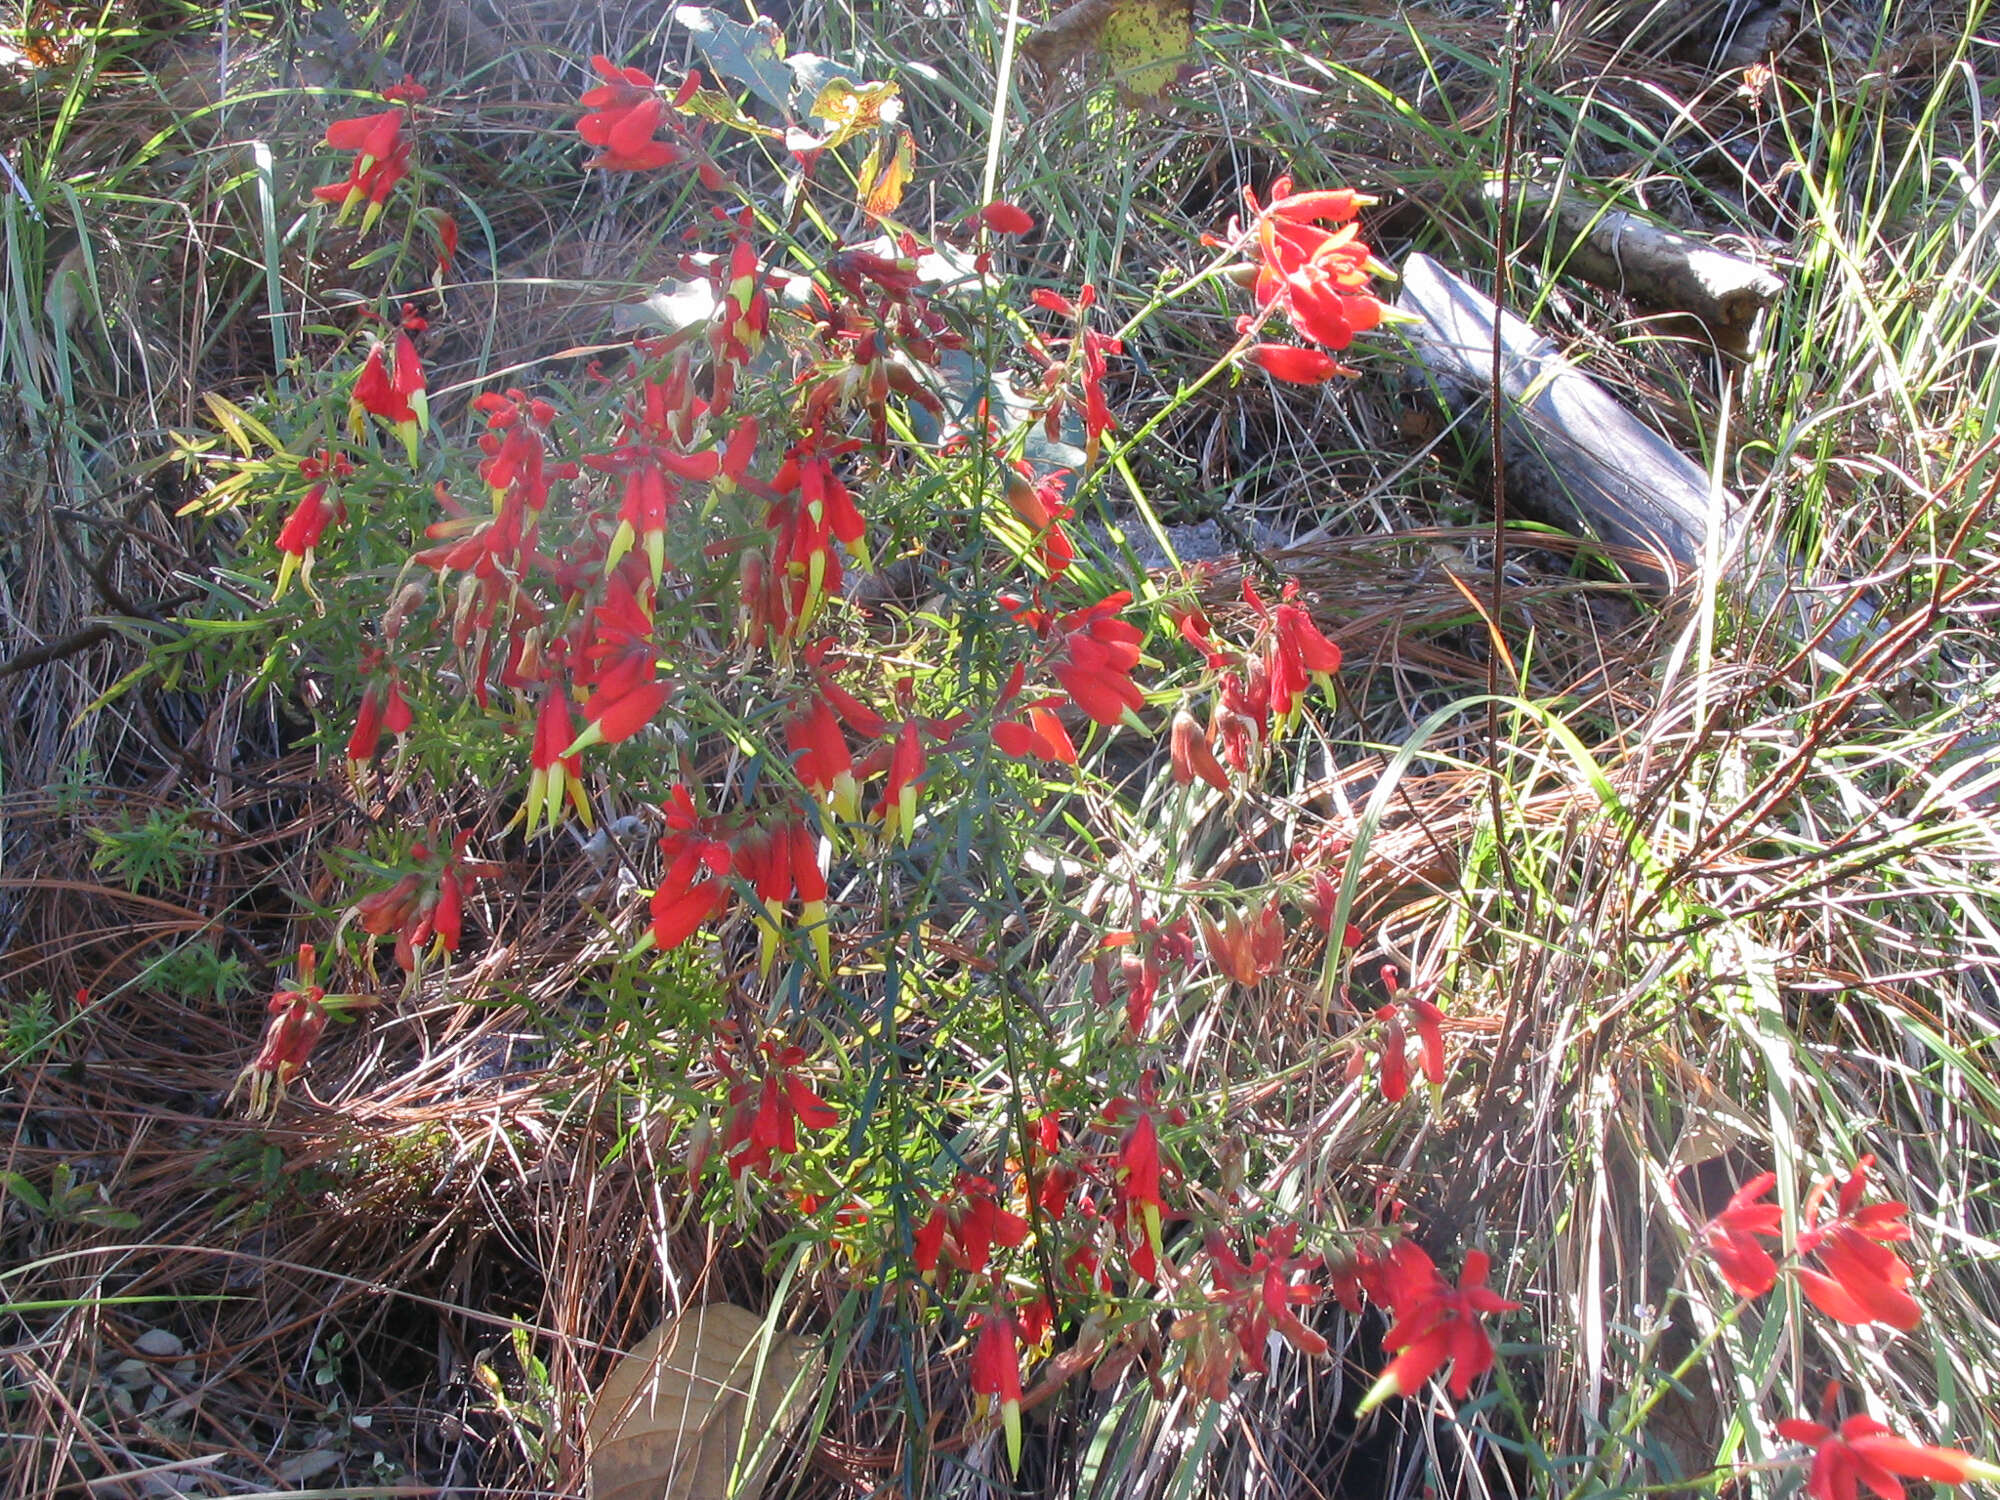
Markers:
(297, 1016)
(1846, 1269)
(1316, 276)
(1857, 1278)
(381, 154)
(1433, 1322)
(426, 905)
(1259, 690)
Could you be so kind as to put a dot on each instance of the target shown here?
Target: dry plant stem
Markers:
(1512, 1038)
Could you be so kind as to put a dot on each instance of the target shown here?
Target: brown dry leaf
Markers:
(1140, 43)
(668, 1422)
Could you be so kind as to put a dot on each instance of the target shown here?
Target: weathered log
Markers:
(1575, 458)
(1625, 253)
(1578, 460)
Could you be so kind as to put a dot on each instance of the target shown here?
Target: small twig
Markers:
(63, 645)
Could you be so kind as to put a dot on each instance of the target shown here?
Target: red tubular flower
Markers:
(300, 535)
(765, 1116)
(965, 1232)
(383, 707)
(743, 318)
(691, 890)
(394, 391)
(1097, 419)
(1096, 660)
(1246, 948)
(1430, 1040)
(1299, 366)
(554, 773)
(1038, 733)
(1732, 1238)
(623, 663)
(298, 1017)
(624, 113)
(820, 756)
(898, 807)
(680, 906)
(1863, 1279)
(1395, 1078)
(457, 873)
(1040, 506)
(1193, 756)
(381, 156)
(1140, 1205)
(1866, 1452)
(996, 1375)
(781, 863)
(642, 516)
(1435, 1322)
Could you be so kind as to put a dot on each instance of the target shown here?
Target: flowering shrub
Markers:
(630, 594)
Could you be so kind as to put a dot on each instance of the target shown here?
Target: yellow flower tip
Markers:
(593, 733)
(1379, 1392)
(656, 554)
(535, 804)
(1010, 1420)
(368, 219)
(846, 797)
(420, 403)
(554, 786)
(287, 565)
(621, 543)
(812, 916)
(407, 431)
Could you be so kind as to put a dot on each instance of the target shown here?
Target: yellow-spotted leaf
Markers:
(1140, 44)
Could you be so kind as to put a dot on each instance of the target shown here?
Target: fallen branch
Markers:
(1625, 253)
(1578, 460)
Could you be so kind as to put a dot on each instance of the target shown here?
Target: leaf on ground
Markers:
(669, 1421)
(753, 56)
(1140, 43)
